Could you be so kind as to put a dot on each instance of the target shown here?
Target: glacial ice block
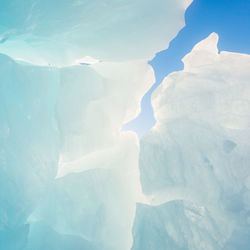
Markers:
(59, 32)
(54, 116)
(195, 161)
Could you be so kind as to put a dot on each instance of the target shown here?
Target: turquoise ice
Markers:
(72, 73)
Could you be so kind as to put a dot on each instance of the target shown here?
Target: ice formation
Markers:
(195, 162)
(69, 176)
(70, 179)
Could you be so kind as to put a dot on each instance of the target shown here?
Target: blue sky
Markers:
(230, 19)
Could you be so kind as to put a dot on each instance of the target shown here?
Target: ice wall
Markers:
(65, 122)
(195, 162)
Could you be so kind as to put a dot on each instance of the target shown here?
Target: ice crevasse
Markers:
(70, 179)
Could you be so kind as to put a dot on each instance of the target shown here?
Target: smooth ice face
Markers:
(59, 32)
(198, 153)
(29, 144)
(103, 97)
(94, 196)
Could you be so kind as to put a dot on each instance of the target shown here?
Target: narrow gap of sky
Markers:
(230, 19)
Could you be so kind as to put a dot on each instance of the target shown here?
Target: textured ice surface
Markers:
(29, 144)
(62, 31)
(195, 161)
(70, 179)
(65, 122)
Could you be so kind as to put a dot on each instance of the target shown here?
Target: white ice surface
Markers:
(197, 155)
